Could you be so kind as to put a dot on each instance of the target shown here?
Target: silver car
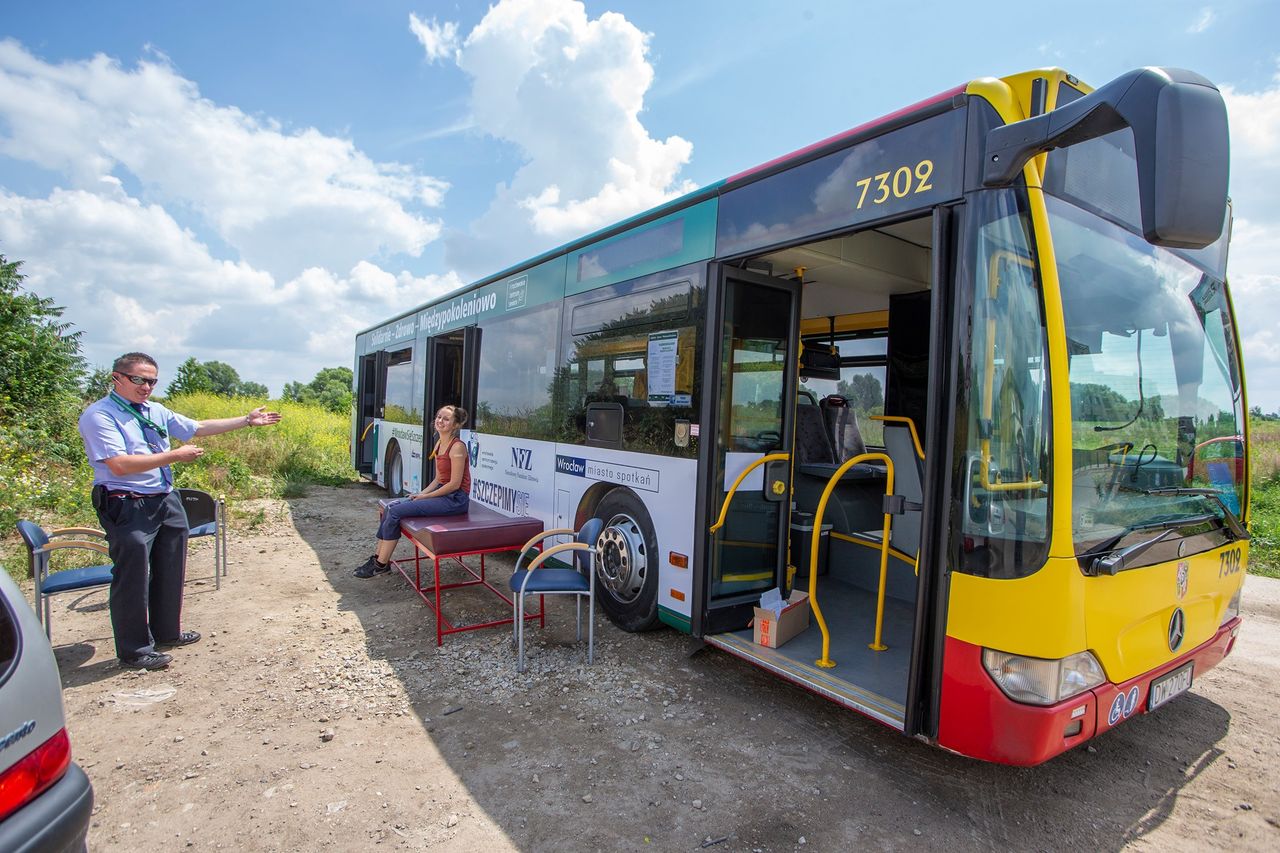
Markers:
(45, 798)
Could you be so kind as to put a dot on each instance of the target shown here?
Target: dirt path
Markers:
(318, 714)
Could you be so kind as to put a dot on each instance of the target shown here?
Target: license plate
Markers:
(1168, 686)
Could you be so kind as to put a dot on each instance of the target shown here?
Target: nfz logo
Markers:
(522, 458)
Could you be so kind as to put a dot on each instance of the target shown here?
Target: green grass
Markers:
(309, 446)
(1264, 501)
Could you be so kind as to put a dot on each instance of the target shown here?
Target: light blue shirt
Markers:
(109, 430)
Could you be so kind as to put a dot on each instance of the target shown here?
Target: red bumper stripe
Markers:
(978, 720)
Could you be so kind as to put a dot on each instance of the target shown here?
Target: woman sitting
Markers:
(448, 494)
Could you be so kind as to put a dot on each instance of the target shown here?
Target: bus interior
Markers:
(862, 388)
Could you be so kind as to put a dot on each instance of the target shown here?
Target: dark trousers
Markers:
(147, 538)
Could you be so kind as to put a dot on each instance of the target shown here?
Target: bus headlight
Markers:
(1233, 607)
(1042, 682)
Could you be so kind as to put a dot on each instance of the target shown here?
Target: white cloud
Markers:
(438, 40)
(568, 91)
(283, 199)
(1203, 21)
(1254, 266)
(288, 207)
(132, 278)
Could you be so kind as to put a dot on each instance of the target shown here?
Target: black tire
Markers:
(627, 580)
(393, 471)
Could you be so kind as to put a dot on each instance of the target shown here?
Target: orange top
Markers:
(444, 468)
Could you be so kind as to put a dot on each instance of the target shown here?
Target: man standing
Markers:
(127, 441)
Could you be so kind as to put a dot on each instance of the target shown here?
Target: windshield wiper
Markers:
(1103, 559)
(1233, 523)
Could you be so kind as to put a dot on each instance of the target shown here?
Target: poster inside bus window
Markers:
(663, 349)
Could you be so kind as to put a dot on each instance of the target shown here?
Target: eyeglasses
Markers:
(140, 380)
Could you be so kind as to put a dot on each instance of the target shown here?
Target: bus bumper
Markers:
(978, 720)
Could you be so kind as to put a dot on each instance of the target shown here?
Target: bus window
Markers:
(401, 401)
(515, 383)
(1004, 420)
(862, 380)
(636, 347)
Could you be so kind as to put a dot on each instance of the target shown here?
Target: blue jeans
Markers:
(454, 503)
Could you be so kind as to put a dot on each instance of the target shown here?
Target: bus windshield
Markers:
(1156, 402)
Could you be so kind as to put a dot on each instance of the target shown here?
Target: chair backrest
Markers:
(812, 442)
(199, 506)
(32, 534)
(35, 538)
(842, 425)
(588, 534)
(908, 470)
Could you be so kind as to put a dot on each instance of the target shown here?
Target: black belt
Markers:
(133, 496)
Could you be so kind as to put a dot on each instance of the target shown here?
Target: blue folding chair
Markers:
(40, 545)
(578, 581)
(207, 517)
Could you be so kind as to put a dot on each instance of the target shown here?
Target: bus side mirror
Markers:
(1179, 124)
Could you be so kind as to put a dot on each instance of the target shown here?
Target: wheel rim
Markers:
(623, 558)
(395, 479)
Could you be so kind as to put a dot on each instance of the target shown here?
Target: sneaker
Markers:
(186, 638)
(151, 660)
(372, 567)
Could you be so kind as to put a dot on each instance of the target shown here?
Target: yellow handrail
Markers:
(825, 661)
(728, 498)
(911, 425)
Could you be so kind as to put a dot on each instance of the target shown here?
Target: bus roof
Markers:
(922, 109)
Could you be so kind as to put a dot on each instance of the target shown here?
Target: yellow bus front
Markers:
(1098, 546)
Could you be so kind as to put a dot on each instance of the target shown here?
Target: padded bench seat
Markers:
(478, 531)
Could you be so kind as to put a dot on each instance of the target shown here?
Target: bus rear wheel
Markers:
(393, 471)
(627, 583)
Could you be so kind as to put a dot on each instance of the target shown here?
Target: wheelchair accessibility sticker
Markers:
(1123, 706)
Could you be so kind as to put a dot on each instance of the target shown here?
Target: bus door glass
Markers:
(372, 393)
(451, 379)
(757, 390)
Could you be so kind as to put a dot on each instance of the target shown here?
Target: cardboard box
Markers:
(773, 632)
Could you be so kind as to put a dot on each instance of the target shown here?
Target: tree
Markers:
(40, 362)
(223, 377)
(213, 377)
(331, 388)
(191, 378)
(96, 384)
(863, 391)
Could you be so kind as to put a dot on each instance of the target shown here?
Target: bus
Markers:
(967, 375)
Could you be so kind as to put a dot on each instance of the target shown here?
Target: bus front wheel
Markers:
(627, 583)
(393, 471)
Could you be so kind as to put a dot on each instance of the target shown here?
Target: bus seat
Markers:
(812, 442)
(842, 426)
(908, 476)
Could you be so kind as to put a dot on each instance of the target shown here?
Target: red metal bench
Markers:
(479, 532)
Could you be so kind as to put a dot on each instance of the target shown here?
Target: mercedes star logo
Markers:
(1177, 629)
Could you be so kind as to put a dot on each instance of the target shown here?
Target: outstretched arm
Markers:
(258, 417)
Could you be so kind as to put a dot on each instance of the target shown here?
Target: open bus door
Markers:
(750, 389)
(453, 363)
(372, 394)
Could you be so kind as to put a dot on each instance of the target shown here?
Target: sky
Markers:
(255, 182)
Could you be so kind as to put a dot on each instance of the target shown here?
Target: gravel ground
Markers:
(318, 714)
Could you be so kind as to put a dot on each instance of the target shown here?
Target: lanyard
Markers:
(166, 473)
(141, 418)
